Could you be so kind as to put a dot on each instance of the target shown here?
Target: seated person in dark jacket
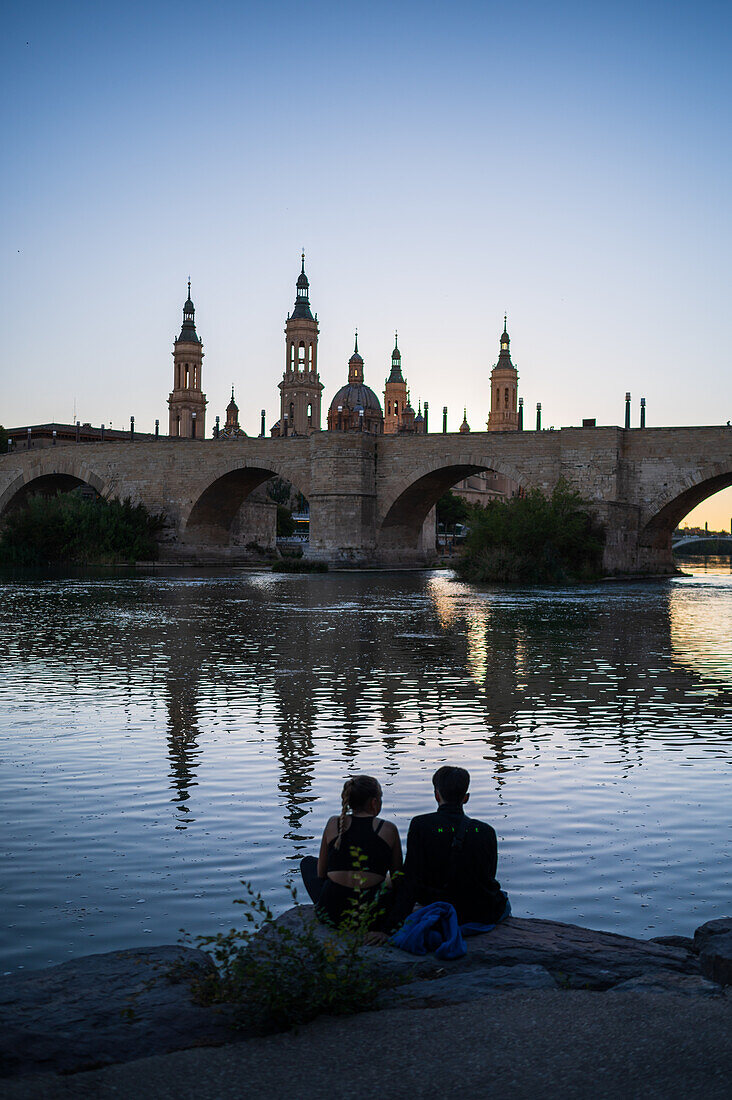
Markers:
(451, 857)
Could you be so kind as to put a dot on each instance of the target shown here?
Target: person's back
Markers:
(451, 857)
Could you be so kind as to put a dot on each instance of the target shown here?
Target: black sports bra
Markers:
(360, 837)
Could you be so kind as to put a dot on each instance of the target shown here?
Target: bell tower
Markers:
(187, 403)
(503, 416)
(395, 393)
(300, 388)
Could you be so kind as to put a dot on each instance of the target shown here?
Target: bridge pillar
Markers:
(625, 550)
(342, 497)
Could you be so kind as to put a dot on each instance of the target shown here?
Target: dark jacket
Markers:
(463, 874)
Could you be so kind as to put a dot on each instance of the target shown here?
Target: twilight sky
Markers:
(568, 163)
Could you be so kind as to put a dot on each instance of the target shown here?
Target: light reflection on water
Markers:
(163, 736)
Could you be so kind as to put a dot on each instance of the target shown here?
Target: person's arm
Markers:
(413, 865)
(329, 832)
(397, 861)
(488, 852)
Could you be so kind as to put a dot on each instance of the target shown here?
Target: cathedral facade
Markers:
(354, 408)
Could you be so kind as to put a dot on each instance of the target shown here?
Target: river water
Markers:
(163, 736)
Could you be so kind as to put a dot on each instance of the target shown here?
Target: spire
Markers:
(302, 298)
(505, 356)
(396, 363)
(465, 427)
(188, 329)
(355, 365)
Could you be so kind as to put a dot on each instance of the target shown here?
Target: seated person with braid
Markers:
(452, 857)
(357, 852)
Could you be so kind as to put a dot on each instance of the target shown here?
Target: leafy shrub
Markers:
(452, 509)
(285, 522)
(533, 539)
(275, 977)
(69, 528)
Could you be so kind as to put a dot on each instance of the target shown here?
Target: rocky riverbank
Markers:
(101, 1010)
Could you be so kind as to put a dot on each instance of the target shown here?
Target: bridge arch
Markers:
(408, 505)
(668, 509)
(48, 477)
(215, 505)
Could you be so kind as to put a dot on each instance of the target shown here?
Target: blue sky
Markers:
(567, 163)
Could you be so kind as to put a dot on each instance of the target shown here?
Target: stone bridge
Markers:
(371, 495)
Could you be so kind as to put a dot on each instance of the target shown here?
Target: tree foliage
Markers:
(533, 539)
(3, 440)
(71, 529)
(451, 509)
(279, 490)
(285, 522)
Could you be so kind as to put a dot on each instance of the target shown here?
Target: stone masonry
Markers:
(370, 496)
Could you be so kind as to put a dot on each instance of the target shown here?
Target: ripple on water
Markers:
(163, 737)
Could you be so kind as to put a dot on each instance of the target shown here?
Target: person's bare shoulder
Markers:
(389, 832)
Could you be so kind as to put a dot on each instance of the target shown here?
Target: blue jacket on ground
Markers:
(435, 928)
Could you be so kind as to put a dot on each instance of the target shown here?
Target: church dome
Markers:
(356, 396)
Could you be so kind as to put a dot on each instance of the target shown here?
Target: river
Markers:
(165, 735)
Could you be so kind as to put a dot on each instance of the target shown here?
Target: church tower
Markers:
(300, 388)
(395, 393)
(504, 390)
(187, 403)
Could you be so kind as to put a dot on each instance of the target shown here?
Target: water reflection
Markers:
(240, 701)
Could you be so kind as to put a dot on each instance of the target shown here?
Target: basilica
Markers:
(354, 408)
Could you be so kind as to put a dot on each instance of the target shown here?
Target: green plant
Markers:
(70, 528)
(451, 509)
(533, 539)
(275, 976)
(285, 522)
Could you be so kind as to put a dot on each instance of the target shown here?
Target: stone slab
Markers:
(102, 1009)
(716, 959)
(669, 981)
(704, 933)
(578, 958)
(467, 986)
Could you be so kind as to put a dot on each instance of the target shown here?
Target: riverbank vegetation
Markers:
(274, 976)
(533, 539)
(70, 529)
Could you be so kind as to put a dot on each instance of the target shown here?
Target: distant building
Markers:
(300, 388)
(399, 416)
(187, 403)
(231, 429)
(504, 416)
(356, 408)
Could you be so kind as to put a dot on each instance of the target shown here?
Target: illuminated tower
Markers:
(187, 403)
(504, 390)
(395, 393)
(300, 388)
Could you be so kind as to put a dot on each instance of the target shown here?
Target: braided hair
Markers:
(357, 791)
